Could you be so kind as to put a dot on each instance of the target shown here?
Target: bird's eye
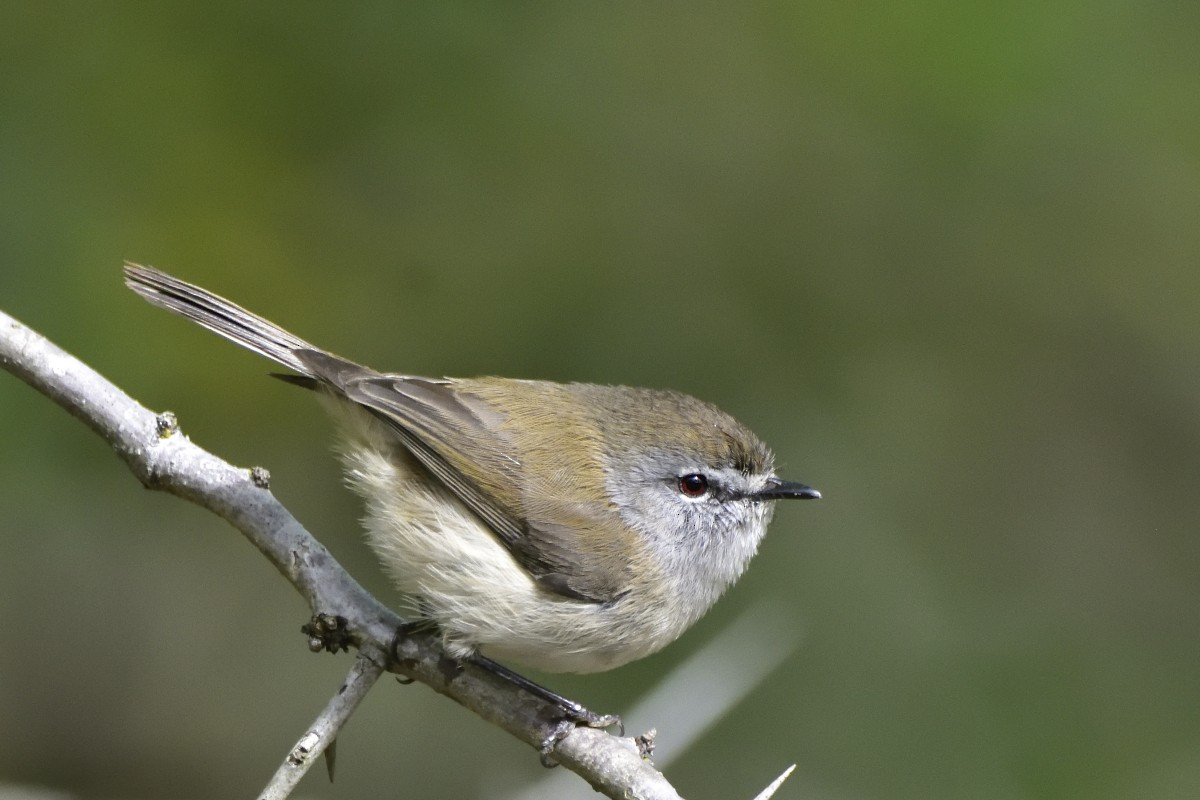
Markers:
(693, 485)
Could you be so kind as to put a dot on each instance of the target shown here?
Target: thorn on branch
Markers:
(331, 758)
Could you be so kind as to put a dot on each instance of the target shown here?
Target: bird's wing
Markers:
(471, 455)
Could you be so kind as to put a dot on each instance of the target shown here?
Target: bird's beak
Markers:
(777, 489)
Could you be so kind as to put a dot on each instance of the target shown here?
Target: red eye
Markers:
(694, 485)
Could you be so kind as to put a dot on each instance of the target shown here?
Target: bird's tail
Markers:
(219, 316)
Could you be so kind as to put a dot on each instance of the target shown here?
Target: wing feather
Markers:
(437, 422)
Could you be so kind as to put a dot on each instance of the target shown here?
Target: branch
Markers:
(322, 736)
(162, 458)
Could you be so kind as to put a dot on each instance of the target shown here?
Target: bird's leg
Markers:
(574, 714)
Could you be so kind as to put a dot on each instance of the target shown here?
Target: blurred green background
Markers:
(945, 258)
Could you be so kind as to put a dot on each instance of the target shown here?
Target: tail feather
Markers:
(218, 315)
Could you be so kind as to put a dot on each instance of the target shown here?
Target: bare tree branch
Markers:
(162, 458)
(322, 735)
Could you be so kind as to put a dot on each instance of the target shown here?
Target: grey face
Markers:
(703, 522)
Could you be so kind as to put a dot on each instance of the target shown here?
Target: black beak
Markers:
(777, 489)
